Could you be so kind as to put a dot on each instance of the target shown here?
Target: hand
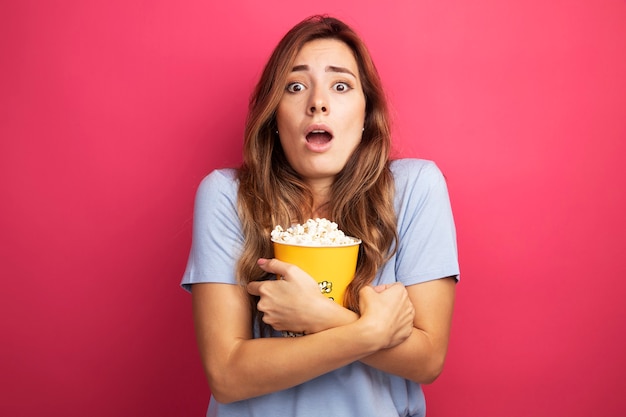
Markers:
(388, 311)
(293, 303)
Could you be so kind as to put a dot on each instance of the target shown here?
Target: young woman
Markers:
(317, 144)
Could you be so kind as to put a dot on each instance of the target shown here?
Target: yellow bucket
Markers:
(333, 267)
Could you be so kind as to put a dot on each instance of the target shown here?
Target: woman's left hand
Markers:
(293, 303)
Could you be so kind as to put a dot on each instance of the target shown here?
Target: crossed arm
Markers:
(401, 330)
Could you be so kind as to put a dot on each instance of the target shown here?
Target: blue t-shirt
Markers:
(426, 250)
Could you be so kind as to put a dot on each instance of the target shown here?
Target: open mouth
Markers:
(318, 137)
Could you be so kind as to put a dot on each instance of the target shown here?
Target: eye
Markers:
(295, 87)
(341, 87)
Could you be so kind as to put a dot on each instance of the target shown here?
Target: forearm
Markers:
(421, 356)
(239, 366)
(260, 366)
(416, 359)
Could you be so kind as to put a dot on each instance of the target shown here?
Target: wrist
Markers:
(368, 335)
(374, 331)
(329, 314)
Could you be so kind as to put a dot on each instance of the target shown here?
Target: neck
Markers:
(321, 196)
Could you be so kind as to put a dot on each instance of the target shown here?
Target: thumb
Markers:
(380, 288)
(367, 291)
(254, 287)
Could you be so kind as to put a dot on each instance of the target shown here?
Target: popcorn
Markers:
(315, 232)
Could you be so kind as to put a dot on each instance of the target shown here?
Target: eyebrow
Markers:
(329, 68)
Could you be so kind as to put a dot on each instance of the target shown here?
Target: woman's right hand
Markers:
(295, 303)
(387, 312)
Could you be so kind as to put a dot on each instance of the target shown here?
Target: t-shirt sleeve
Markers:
(216, 236)
(427, 247)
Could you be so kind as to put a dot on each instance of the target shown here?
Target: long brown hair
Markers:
(272, 193)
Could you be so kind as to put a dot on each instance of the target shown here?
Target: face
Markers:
(321, 114)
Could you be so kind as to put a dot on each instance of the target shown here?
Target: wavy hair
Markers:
(273, 193)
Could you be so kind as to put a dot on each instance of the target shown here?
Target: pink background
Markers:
(112, 111)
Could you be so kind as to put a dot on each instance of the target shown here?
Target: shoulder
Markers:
(219, 181)
(418, 183)
(410, 172)
(218, 190)
(221, 178)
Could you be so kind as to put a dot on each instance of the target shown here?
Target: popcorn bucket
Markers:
(333, 267)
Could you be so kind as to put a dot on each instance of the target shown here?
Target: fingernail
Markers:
(261, 261)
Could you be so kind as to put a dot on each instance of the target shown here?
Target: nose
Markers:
(319, 102)
(314, 108)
